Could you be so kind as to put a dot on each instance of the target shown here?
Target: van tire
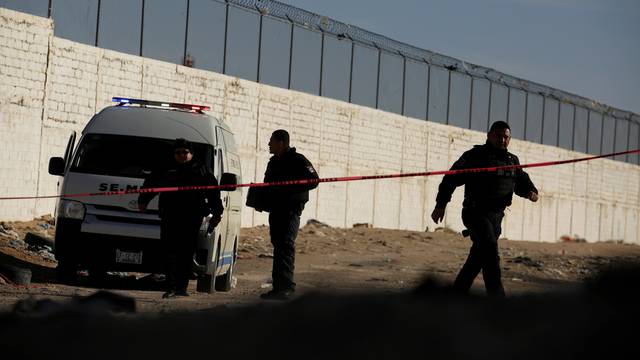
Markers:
(225, 282)
(206, 283)
(67, 272)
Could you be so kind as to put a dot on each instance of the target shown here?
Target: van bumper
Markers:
(90, 250)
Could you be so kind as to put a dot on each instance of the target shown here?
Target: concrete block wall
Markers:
(51, 87)
(24, 45)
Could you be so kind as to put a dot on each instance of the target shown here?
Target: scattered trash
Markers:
(265, 286)
(6, 231)
(264, 255)
(36, 239)
(47, 254)
(527, 261)
(363, 225)
(40, 245)
(17, 244)
(569, 238)
(314, 222)
(557, 272)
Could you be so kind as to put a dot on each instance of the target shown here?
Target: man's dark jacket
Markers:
(486, 190)
(189, 203)
(289, 166)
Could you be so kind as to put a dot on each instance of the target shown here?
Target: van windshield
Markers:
(130, 156)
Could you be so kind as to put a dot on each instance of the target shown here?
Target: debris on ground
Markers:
(316, 223)
(38, 239)
(328, 257)
(573, 239)
(526, 261)
(5, 230)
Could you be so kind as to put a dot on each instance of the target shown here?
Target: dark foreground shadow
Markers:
(599, 321)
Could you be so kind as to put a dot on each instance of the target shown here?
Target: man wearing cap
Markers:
(285, 205)
(486, 195)
(181, 212)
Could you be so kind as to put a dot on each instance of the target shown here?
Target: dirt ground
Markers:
(328, 259)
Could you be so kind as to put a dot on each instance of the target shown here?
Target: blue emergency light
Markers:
(128, 101)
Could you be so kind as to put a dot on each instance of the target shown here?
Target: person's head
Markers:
(279, 142)
(499, 135)
(182, 151)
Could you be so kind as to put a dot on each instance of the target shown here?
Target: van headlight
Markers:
(71, 209)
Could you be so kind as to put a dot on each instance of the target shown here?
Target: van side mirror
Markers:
(229, 179)
(56, 166)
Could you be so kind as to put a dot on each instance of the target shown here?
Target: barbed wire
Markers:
(324, 24)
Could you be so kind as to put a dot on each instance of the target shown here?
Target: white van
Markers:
(118, 148)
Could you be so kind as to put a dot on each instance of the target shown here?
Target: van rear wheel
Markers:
(206, 283)
(225, 282)
(67, 272)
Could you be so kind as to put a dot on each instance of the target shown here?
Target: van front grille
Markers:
(120, 208)
(128, 220)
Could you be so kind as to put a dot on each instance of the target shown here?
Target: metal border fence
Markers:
(594, 127)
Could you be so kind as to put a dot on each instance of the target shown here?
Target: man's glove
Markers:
(213, 222)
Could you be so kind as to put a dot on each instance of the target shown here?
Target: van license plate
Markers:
(128, 257)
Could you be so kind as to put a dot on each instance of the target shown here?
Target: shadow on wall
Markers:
(597, 321)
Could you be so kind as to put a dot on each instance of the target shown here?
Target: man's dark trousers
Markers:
(484, 228)
(283, 228)
(180, 235)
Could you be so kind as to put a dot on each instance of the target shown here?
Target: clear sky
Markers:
(586, 47)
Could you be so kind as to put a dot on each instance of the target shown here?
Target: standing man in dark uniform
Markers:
(486, 195)
(181, 212)
(285, 205)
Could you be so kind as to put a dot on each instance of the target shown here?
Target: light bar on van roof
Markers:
(127, 101)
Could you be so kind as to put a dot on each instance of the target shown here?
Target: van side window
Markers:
(220, 138)
(229, 141)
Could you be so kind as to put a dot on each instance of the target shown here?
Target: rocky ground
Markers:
(329, 259)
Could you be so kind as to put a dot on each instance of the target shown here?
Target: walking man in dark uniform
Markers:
(486, 195)
(285, 205)
(182, 212)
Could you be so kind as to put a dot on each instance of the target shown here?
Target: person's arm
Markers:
(448, 185)
(524, 186)
(306, 171)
